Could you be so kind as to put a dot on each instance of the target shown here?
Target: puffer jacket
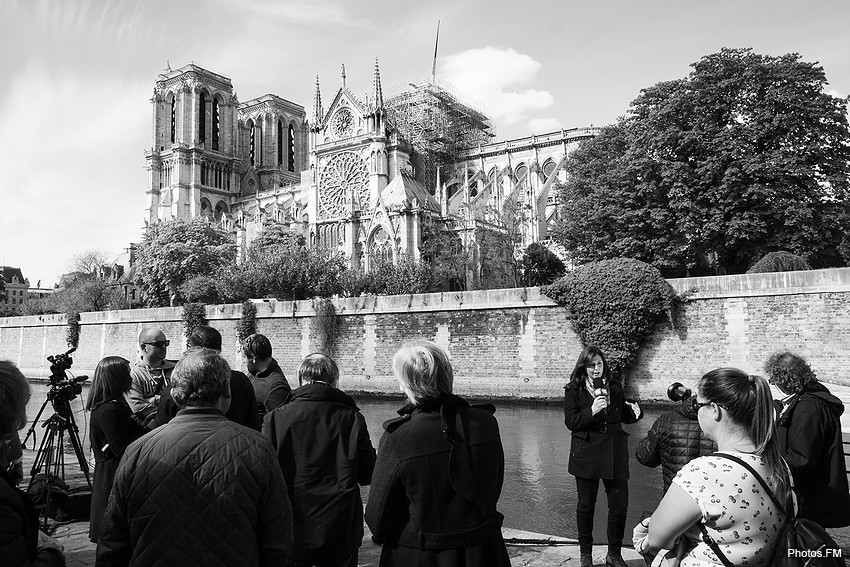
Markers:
(436, 485)
(200, 490)
(674, 440)
(325, 452)
(809, 435)
(18, 525)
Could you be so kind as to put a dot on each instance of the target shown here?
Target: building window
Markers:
(202, 118)
(548, 170)
(252, 141)
(216, 123)
(173, 118)
(290, 158)
(279, 143)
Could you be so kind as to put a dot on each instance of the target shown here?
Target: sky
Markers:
(76, 78)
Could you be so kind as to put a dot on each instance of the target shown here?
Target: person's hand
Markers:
(635, 408)
(640, 538)
(599, 404)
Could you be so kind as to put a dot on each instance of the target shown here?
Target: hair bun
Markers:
(752, 379)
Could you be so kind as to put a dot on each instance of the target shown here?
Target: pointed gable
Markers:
(403, 190)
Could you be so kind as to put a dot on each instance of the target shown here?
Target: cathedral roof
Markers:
(403, 189)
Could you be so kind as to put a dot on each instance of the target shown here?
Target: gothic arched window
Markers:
(290, 158)
(173, 118)
(380, 251)
(202, 117)
(216, 123)
(252, 140)
(279, 143)
(548, 169)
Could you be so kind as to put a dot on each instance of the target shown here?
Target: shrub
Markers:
(194, 315)
(72, 333)
(614, 304)
(779, 262)
(540, 266)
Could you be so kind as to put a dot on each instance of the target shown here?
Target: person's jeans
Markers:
(617, 492)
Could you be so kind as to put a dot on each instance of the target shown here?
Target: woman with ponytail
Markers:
(717, 496)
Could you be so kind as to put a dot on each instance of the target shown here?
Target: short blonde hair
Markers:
(424, 371)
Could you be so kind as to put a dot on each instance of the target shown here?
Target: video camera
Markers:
(62, 387)
(677, 392)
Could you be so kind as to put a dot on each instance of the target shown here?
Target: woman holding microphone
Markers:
(595, 410)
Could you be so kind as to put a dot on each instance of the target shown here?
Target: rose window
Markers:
(343, 176)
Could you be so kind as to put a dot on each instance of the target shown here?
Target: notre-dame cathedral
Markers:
(361, 177)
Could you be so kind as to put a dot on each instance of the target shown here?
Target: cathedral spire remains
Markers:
(318, 111)
(377, 91)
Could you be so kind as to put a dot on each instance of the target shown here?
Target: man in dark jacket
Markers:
(201, 490)
(809, 435)
(270, 385)
(325, 452)
(243, 403)
(674, 440)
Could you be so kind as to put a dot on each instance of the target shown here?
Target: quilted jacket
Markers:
(200, 490)
(673, 441)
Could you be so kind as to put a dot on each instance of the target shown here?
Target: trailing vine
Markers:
(194, 315)
(247, 324)
(615, 305)
(72, 334)
(326, 324)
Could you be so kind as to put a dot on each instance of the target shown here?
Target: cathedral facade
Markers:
(361, 176)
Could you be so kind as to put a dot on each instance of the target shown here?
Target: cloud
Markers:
(65, 149)
(544, 125)
(491, 75)
(314, 12)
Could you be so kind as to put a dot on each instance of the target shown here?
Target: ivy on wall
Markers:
(247, 324)
(615, 305)
(194, 315)
(326, 324)
(72, 334)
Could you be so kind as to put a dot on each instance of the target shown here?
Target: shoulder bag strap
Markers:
(714, 547)
(782, 509)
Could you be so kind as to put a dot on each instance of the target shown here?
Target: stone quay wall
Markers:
(509, 343)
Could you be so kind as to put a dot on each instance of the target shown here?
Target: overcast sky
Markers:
(76, 79)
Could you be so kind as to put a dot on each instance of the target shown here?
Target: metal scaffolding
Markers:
(438, 122)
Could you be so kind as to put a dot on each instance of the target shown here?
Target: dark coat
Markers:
(325, 452)
(436, 484)
(200, 490)
(270, 388)
(18, 525)
(599, 447)
(112, 429)
(809, 435)
(243, 404)
(674, 440)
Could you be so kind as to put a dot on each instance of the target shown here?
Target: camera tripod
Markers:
(50, 458)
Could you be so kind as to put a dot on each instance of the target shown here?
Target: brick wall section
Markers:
(512, 343)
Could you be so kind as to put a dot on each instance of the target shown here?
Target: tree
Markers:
(540, 266)
(779, 262)
(175, 251)
(745, 156)
(89, 262)
(85, 293)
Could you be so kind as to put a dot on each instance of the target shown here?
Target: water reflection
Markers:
(539, 494)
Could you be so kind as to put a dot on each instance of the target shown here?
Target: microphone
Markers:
(599, 390)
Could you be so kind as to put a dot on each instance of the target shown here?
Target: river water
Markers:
(539, 494)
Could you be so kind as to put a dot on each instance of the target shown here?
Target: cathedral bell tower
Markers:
(193, 161)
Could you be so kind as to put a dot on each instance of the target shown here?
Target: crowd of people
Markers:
(197, 463)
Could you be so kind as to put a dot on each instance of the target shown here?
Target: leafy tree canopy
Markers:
(175, 251)
(540, 266)
(779, 262)
(746, 155)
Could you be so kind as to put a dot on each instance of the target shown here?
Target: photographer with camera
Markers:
(675, 438)
(150, 374)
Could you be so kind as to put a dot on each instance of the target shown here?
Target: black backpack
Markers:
(801, 543)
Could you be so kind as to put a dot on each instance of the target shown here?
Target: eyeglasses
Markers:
(591, 366)
(158, 344)
(695, 405)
